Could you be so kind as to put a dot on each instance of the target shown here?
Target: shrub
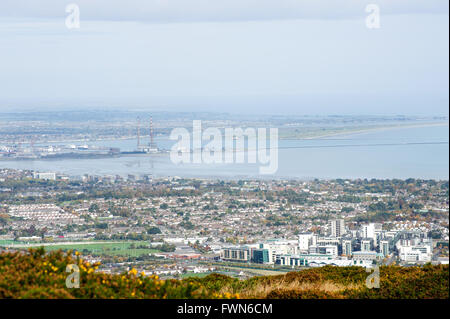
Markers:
(37, 274)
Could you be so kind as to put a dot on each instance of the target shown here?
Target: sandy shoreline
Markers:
(368, 130)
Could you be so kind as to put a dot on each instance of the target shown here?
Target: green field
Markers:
(7, 242)
(258, 272)
(195, 275)
(204, 274)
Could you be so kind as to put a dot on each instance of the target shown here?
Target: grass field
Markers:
(188, 275)
(7, 242)
(195, 275)
(260, 272)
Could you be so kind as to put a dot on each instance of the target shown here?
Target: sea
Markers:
(403, 152)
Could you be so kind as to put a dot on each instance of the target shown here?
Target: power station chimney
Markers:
(152, 145)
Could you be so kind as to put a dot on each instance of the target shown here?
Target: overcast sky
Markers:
(271, 56)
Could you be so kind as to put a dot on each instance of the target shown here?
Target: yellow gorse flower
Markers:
(133, 271)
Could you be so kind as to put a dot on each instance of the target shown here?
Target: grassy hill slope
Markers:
(37, 274)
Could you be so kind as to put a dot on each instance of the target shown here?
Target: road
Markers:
(390, 260)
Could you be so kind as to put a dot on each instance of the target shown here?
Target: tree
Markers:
(93, 208)
(153, 230)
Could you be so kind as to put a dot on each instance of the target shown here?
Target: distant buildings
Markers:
(241, 254)
(385, 247)
(42, 213)
(305, 241)
(364, 257)
(347, 247)
(313, 250)
(261, 256)
(45, 176)
(337, 227)
(413, 247)
(366, 244)
(209, 215)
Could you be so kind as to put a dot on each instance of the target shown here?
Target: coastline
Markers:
(369, 130)
(304, 136)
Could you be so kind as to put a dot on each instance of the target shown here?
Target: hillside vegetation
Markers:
(37, 274)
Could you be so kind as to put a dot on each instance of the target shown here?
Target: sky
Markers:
(238, 56)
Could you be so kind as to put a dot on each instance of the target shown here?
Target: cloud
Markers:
(164, 11)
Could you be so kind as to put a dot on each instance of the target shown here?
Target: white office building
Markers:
(364, 258)
(366, 244)
(331, 250)
(416, 253)
(347, 247)
(384, 247)
(305, 241)
(337, 227)
(371, 231)
(45, 176)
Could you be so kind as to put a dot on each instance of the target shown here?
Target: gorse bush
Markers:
(37, 274)
(424, 282)
(302, 294)
(339, 282)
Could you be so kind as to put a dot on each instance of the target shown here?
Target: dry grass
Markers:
(261, 290)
